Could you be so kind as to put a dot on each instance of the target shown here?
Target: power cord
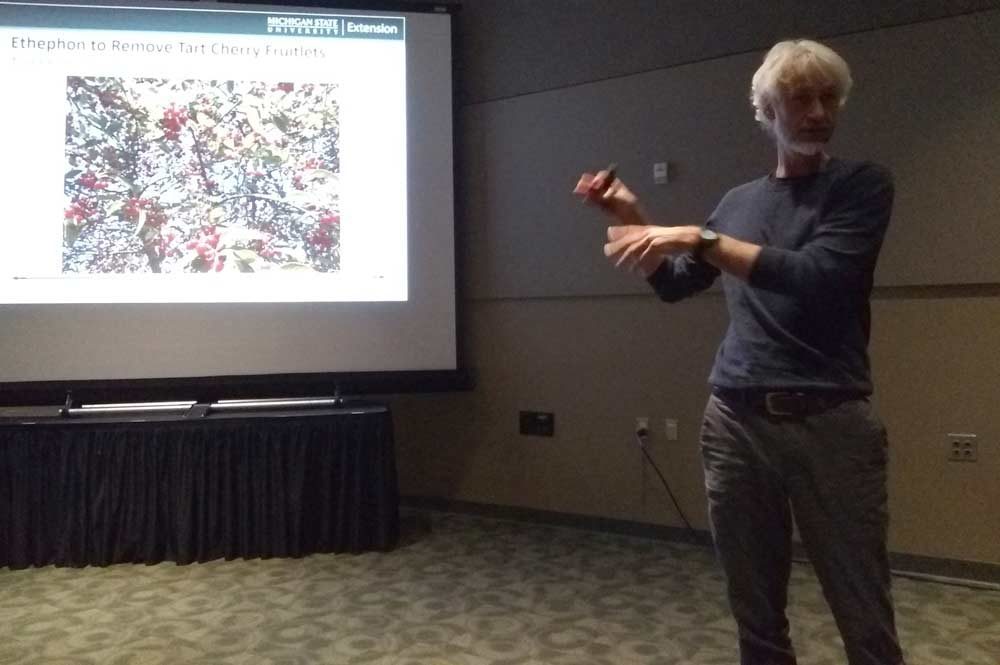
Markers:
(641, 437)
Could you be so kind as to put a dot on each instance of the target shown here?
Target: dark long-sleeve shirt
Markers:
(802, 319)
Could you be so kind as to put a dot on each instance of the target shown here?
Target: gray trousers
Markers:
(828, 469)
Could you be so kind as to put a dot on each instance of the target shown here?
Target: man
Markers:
(788, 429)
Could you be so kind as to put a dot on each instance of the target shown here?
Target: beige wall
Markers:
(565, 336)
(599, 362)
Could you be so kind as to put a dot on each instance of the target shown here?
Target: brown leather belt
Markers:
(785, 403)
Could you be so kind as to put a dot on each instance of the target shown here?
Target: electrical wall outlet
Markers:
(661, 173)
(537, 423)
(962, 448)
(670, 429)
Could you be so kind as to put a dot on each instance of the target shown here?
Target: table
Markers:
(77, 492)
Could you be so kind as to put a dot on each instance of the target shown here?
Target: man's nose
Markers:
(817, 110)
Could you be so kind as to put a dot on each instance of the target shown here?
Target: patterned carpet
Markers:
(460, 590)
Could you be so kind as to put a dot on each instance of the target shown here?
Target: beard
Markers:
(806, 148)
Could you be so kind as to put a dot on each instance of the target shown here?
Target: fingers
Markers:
(609, 193)
(627, 257)
(626, 248)
(592, 185)
(596, 188)
(601, 184)
(590, 188)
(618, 232)
(620, 237)
(613, 248)
(634, 246)
(624, 241)
(583, 185)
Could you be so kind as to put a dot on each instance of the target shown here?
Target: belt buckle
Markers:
(793, 407)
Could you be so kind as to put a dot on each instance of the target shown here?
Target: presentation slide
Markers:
(209, 189)
(250, 160)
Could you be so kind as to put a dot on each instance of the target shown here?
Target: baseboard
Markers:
(552, 518)
(955, 571)
(946, 570)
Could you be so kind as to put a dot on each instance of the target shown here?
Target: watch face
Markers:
(708, 235)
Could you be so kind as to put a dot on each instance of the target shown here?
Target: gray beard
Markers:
(808, 148)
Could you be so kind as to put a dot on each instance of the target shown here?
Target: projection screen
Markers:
(225, 199)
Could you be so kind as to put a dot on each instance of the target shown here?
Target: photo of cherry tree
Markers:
(200, 176)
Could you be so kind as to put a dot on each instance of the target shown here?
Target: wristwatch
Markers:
(707, 238)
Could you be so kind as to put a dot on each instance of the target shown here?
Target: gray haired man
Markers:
(789, 429)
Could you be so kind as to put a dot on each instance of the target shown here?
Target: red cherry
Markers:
(320, 237)
(89, 179)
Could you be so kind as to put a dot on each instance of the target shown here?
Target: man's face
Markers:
(805, 116)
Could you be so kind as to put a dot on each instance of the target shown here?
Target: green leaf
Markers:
(253, 117)
(238, 234)
(297, 266)
(205, 120)
(114, 208)
(70, 233)
(280, 153)
(313, 120)
(189, 257)
(243, 258)
(141, 222)
(270, 159)
(325, 173)
(296, 254)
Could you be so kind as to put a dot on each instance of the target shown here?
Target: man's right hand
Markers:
(614, 197)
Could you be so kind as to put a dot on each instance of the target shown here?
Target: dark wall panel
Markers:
(926, 105)
(513, 47)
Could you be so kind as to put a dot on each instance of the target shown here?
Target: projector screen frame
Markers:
(210, 389)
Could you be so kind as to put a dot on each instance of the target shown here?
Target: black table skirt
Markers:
(85, 493)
